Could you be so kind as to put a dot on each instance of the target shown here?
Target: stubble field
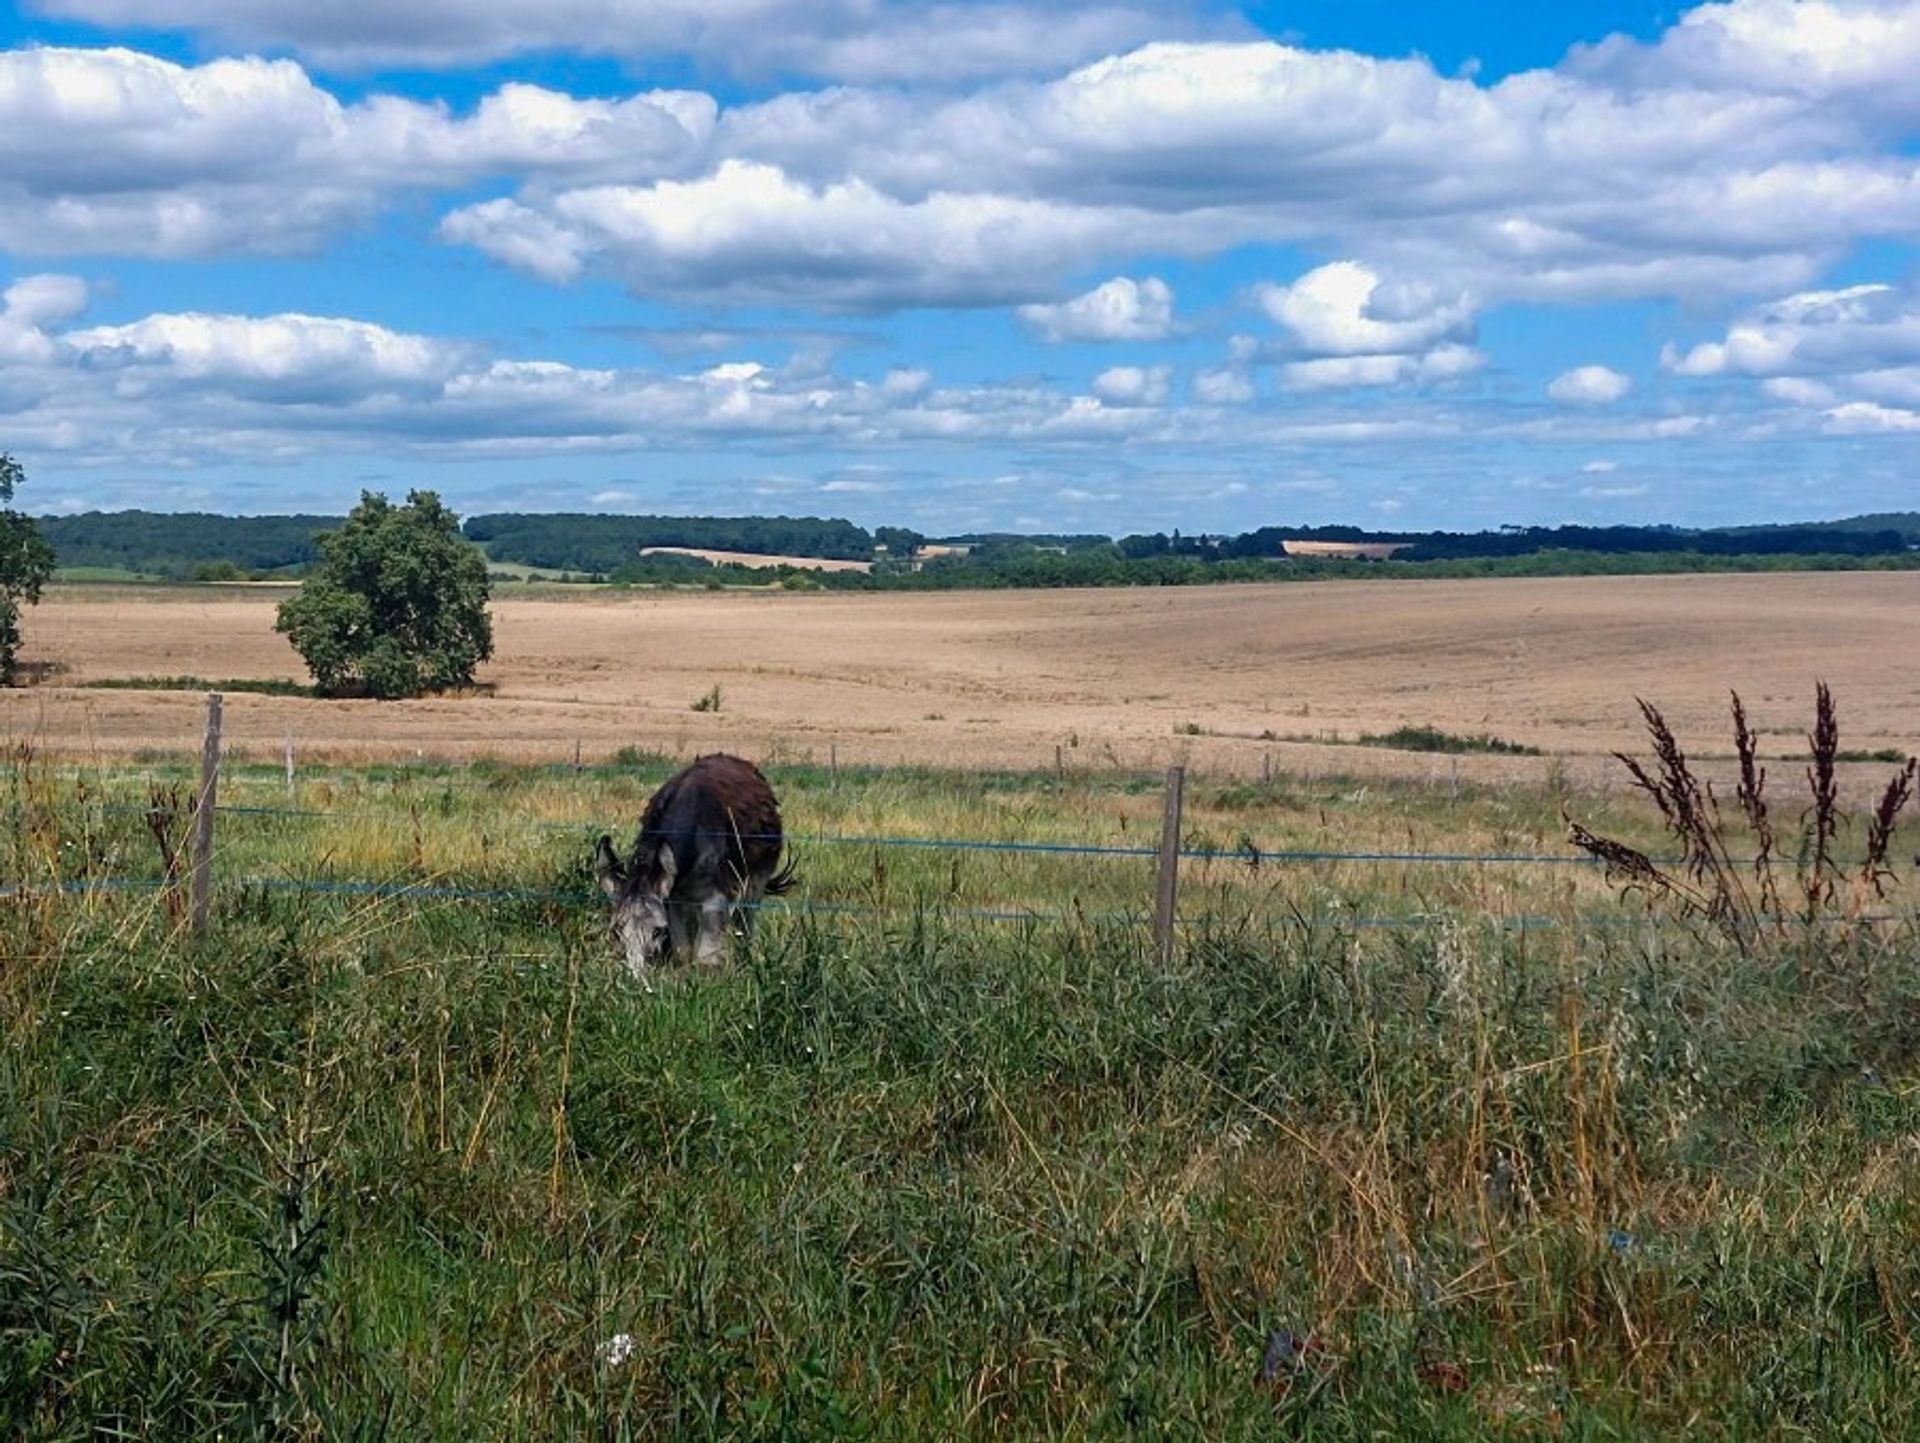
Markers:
(1221, 677)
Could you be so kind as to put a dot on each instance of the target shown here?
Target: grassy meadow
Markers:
(1388, 1150)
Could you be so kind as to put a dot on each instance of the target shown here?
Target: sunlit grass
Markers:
(902, 1172)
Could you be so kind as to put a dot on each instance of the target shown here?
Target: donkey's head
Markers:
(638, 892)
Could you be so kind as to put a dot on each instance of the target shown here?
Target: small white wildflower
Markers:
(617, 1349)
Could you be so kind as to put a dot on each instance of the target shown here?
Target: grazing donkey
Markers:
(708, 849)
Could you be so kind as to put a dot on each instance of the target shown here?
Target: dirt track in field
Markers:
(1114, 678)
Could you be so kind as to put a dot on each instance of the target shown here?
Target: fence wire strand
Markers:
(1249, 855)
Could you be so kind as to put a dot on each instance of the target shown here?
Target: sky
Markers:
(963, 265)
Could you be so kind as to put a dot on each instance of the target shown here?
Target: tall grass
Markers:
(391, 1167)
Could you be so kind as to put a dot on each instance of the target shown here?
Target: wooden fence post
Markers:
(290, 787)
(1266, 766)
(1167, 892)
(1059, 765)
(833, 762)
(203, 810)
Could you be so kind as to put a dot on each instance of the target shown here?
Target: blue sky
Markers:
(964, 264)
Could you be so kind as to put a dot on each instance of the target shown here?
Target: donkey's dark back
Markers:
(717, 815)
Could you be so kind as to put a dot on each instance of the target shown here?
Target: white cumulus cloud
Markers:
(1342, 309)
(1443, 363)
(1821, 349)
(860, 40)
(1740, 153)
(292, 357)
(29, 306)
(1813, 333)
(1134, 385)
(1866, 418)
(1590, 385)
(1223, 386)
(1352, 329)
(113, 150)
(751, 233)
(1122, 309)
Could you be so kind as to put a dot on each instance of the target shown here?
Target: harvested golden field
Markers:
(757, 558)
(1130, 678)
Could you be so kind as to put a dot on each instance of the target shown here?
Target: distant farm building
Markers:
(1346, 550)
(935, 550)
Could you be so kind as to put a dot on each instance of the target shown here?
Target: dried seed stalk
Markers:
(1821, 821)
(1874, 872)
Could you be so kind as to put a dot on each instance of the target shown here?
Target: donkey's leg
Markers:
(711, 948)
(681, 918)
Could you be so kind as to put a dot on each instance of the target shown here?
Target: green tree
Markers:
(397, 604)
(26, 561)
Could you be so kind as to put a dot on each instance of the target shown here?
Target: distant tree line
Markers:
(1656, 540)
(192, 546)
(1016, 568)
(593, 542)
(1104, 567)
(1814, 539)
(185, 545)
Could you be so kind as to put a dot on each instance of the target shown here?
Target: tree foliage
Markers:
(179, 545)
(26, 561)
(599, 542)
(195, 546)
(397, 604)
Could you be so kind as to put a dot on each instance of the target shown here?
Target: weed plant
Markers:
(1777, 892)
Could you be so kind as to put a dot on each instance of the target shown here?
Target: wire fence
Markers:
(205, 809)
(436, 891)
(433, 892)
(1252, 855)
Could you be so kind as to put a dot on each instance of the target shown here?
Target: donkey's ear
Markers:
(665, 870)
(606, 867)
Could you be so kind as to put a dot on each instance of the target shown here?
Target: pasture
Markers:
(1389, 1149)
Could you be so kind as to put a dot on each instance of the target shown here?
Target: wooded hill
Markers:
(183, 545)
(564, 541)
(200, 545)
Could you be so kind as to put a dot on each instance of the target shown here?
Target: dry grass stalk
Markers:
(1821, 822)
(1752, 795)
(1692, 814)
(1880, 827)
(1709, 882)
(167, 819)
